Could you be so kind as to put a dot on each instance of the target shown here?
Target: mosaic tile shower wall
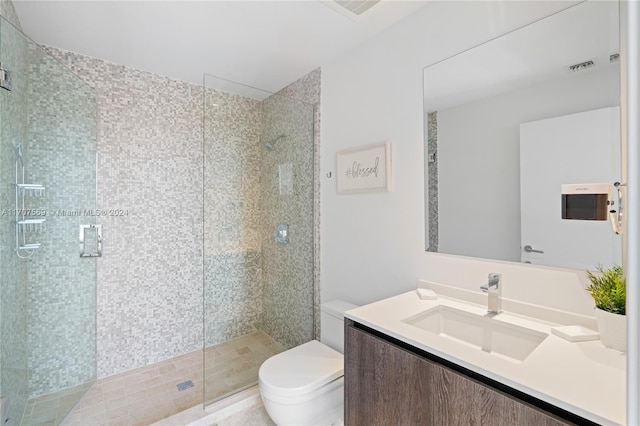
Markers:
(61, 157)
(13, 292)
(233, 270)
(307, 89)
(432, 180)
(150, 169)
(287, 198)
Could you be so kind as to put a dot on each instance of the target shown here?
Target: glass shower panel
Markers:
(48, 126)
(286, 194)
(14, 377)
(258, 183)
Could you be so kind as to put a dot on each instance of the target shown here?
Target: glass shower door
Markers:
(48, 183)
(258, 231)
(14, 378)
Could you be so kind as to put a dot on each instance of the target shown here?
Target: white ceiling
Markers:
(264, 44)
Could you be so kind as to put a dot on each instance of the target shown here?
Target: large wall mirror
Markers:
(509, 122)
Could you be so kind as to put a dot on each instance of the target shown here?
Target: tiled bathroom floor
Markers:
(148, 394)
(254, 416)
(244, 408)
(51, 409)
(234, 364)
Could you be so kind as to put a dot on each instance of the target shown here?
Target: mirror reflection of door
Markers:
(580, 148)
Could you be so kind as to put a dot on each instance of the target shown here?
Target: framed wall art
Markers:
(364, 169)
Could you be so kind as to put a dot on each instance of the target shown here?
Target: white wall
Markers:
(373, 244)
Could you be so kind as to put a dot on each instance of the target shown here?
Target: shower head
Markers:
(270, 145)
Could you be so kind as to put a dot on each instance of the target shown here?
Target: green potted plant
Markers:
(609, 291)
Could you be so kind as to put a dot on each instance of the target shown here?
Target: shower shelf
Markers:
(31, 225)
(24, 224)
(30, 190)
(30, 246)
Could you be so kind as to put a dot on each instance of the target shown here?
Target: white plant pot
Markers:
(612, 329)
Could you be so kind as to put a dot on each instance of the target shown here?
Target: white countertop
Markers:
(584, 378)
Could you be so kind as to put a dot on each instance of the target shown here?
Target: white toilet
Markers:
(304, 385)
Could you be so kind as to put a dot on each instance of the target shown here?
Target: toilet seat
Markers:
(300, 371)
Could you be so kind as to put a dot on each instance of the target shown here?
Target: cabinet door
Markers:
(389, 385)
(384, 384)
(459, 400)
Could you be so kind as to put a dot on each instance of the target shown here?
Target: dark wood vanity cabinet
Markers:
(387, 384)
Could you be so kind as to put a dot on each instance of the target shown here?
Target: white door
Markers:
(576, 148)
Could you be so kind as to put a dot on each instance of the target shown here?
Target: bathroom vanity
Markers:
(401, 370)
(389, 383)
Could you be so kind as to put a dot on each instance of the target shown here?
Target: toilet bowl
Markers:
(305, 385)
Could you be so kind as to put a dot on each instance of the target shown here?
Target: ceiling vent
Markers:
(582, 66)
(350, 8)
(357, 7)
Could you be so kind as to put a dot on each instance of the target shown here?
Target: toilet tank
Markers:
(332, 323)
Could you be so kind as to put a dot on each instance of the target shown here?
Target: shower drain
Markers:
(184, 385)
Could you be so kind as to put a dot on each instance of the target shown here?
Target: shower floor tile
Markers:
(234, 364)
(149, 394)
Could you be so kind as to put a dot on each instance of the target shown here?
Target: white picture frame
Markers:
(364, 169)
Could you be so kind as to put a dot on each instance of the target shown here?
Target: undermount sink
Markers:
(481, 332)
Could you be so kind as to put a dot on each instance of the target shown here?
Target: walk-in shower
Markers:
(258, 292)
(197, 208)
(47, 179)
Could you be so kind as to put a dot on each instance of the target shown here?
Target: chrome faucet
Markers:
(494, 290)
